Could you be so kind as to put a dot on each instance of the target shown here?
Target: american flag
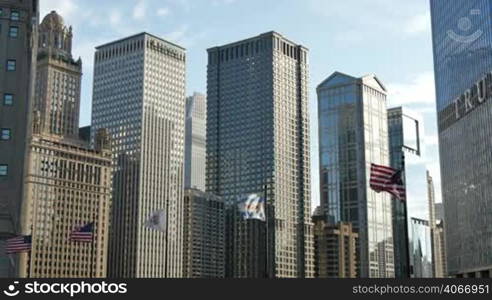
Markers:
(386, 179)
(83, 234)
(19, 244)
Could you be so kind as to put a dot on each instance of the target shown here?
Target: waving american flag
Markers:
(386, 179)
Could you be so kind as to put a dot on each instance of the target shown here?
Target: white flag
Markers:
(252, 207)
(157, 221)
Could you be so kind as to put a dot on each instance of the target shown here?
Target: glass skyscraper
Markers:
(353, 134)
(462, 40)
(406, 131)
(258, 142)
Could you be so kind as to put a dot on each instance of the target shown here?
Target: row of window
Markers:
(13, 31)
(11, 65)
(14, 14)
(8, 99)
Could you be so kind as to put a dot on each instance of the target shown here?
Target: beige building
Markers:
(18, 42)
(439, 248)
(335, 249)
(68, 185)
(68, 182)
(204, 235)
(57, 98)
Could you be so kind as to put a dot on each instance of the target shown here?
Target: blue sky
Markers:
(390, 38)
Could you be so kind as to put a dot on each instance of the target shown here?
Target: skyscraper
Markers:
(204, 229)
(68, 183)
(353, 134)
(195, 141)
(18, 49)
(406, 132)
(462, 40)
(420, 249)
(58, 84)
(139, 96)
(258, 142)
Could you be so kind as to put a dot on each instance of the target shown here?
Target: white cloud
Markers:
(164, 11)
(420, 23)
(420, 90)
(64, 8)
(114, 17)
(140, 10)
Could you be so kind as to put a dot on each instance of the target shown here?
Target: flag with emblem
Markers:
(252, 207)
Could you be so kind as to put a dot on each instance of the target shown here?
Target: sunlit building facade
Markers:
(139, 96)
(195, 141)
(353, 134)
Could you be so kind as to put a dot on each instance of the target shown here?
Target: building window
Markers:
(11, 65)
(14, 15)
(4, 170)
(8, 99)
(1, 12)
(5, 134)
(14, 32)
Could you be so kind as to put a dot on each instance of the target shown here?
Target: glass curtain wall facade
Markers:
(258, 142)
(462, 40)
(353, 133)
(406, 131)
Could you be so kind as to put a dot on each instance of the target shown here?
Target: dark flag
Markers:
(83, 234)
(19, 244)
(386, 179)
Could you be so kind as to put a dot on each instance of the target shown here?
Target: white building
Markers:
(139, 96)
(195, 141)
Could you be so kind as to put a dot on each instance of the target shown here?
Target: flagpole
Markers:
(267, 252)
(405, 208)
(167, 239)
(92, 251)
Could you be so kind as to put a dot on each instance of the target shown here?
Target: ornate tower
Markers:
(59, 79)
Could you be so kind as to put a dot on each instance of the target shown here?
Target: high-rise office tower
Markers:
(420, 249)
(68, 183)
(335, 249)
(353, 134)
(57, 98)
(18, 43)
(439, 250)
(204, 230)
(139, 96)
(406, 132)
(258, 142)
(431, 198)
(462, 39)
(195, 141)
